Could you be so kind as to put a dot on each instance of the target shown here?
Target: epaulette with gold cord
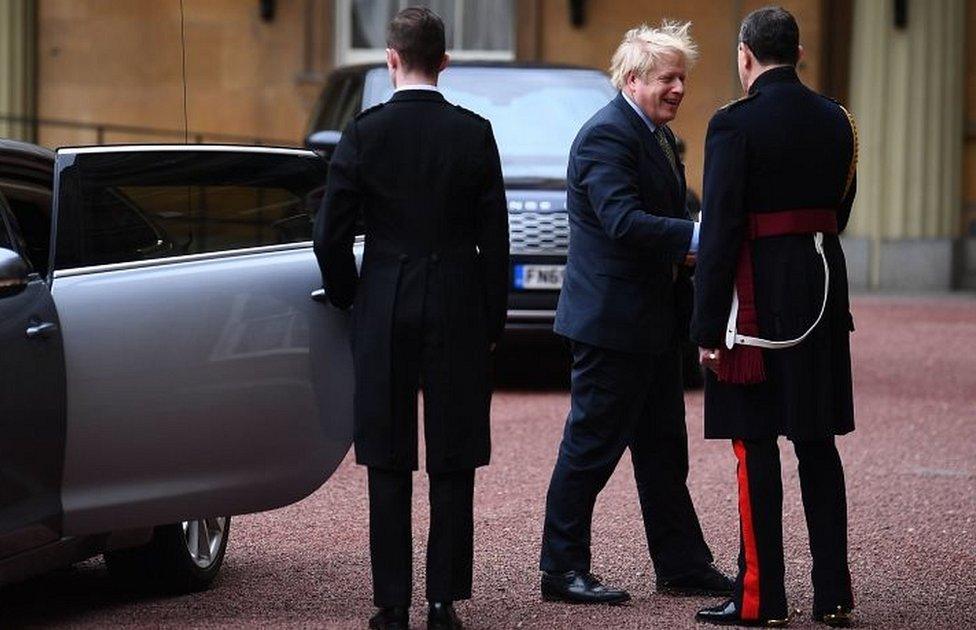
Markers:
(738, 101)
(853, 167)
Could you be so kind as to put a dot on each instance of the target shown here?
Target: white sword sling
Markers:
(732, 337)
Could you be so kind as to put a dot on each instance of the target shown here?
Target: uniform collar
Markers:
(417, 95)
(779, 74)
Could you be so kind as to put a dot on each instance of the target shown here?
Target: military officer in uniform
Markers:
(429, 304)
(772, 315)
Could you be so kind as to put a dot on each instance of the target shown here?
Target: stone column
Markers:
(907, 97)
(17, 67)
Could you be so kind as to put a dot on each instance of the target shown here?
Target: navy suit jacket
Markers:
(629, 229)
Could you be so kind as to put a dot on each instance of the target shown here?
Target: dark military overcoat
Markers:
(782, 147)
(425, 176)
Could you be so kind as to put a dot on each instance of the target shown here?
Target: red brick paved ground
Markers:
(911, 475)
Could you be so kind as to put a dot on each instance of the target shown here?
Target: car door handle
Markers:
(41, 330)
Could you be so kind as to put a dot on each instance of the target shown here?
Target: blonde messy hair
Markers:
(643, 48)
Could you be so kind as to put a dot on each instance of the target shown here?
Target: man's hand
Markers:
(710, 358)
(690, 260)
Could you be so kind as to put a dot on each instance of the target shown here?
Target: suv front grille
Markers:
(538, 232)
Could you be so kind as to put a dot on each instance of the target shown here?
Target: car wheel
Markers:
(181, 558)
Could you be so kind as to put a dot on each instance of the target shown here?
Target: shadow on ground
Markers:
(539, 367)
(68, 595)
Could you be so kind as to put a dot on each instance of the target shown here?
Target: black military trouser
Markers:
(418, 360)
(622, 400)
(759, 588)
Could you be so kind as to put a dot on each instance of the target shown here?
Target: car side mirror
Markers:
(13, 271)
(323, 141)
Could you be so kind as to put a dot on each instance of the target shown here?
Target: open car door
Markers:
(201, 378)
(32, 401)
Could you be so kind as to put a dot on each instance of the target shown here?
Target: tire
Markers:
(176, 560)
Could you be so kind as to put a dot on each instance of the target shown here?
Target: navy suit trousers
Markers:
(624, 400)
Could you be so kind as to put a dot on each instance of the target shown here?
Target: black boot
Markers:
(728, 614)
(839, 617)
(707, 580)
(393, 618)
(442, 616)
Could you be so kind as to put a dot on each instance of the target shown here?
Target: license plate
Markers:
(538, 277)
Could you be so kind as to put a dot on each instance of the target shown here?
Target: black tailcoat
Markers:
(782, 147)
(425, 176)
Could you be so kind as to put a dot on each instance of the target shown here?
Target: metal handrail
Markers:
(101, 130)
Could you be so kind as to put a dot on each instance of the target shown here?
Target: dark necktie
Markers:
(662, 140)
(666, 147)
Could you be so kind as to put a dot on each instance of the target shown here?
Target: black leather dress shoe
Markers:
(442, 616)
(580, 587)
(705, 581)
(839, 617)
(727, 614)
(395, 618)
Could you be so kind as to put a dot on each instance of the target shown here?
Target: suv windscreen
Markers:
(126, 206)
(535, 113)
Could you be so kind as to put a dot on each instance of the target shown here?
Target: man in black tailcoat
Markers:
(778, 188)
(624, 306)
(427, 308)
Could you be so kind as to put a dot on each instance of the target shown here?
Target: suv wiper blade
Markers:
(537, 182)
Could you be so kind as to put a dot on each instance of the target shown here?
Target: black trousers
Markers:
(450, 546)
(618, 401)
(759, 588)
(418, 361)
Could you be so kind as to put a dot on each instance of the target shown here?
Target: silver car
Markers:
(163, 366)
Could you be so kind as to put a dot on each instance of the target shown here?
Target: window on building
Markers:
(475, 29)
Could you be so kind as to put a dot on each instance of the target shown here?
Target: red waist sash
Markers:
(743, 365)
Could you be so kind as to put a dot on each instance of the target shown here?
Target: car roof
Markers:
(24, 150)
(363, 68)
(142, 147)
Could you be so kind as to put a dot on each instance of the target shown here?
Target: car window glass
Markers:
(328, 104)
(145, 205)
(31, 211)
(350, 103)
(535, 113)
(5, 240)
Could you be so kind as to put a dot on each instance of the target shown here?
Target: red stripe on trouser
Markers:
(750, 582)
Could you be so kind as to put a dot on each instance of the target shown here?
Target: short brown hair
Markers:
(417, 34)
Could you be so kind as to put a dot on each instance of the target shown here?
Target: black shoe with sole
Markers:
(705, 581)
(580, 587)
(727, 614)
(442, 616)
(394, 618)
(838, 617)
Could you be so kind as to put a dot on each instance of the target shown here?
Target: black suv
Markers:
(535, 111)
